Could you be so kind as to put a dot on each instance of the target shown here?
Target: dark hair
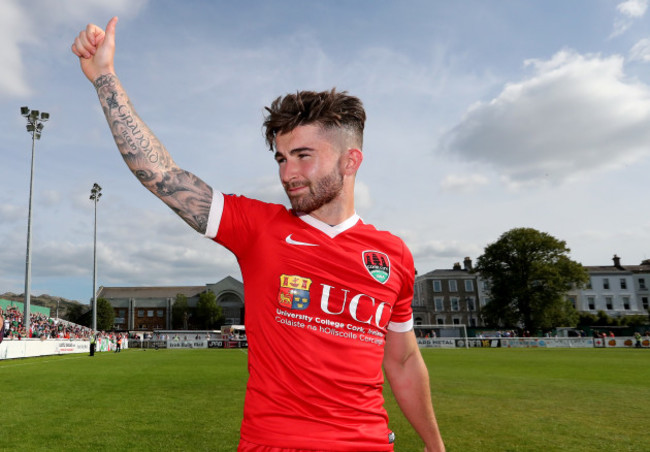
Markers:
(329, 109)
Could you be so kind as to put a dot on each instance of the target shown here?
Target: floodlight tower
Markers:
(35, 120)
(95, 194)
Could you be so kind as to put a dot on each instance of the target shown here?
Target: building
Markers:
(150, 308)
(456, 296)
(447, 297)
(617, 290)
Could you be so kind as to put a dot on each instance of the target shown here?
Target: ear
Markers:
(352, 161)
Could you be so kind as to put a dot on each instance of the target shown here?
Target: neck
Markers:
(338, 210)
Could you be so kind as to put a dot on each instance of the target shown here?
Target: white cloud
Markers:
(633, 8)
(463, 183)
(451, 251)
(629, 11)
(576, 114)
(640, 51)
(21, 22)
(14, 29)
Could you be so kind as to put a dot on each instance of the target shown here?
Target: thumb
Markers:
(110, 31)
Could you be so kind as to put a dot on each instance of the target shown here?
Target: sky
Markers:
(483, 116)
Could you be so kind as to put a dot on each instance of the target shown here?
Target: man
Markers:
(327, 296)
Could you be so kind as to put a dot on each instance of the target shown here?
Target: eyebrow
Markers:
(293, 151)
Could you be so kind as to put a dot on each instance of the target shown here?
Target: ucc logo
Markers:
(295, 294)
(362, 308)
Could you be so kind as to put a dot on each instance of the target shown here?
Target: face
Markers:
(310, 167)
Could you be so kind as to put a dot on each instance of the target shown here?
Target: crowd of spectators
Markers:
(41, 326)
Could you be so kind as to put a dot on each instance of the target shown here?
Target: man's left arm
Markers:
(409, 380)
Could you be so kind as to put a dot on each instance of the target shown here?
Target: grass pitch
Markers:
(486, 400)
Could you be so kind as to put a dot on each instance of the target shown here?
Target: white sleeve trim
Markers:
(401, 327)
(214, 218)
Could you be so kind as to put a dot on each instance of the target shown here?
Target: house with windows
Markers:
(447, 297)
(617, 290)
(456, 296)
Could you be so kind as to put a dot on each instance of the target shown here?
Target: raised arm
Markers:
(409, 380)
(144, 154)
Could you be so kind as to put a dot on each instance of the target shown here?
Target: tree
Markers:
(78, 313)
(105, 315)
(208, 313)
(529, 273)
(180, 312)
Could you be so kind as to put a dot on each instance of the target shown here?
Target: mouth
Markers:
(294, 189)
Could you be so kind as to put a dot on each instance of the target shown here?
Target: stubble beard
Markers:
(321, 192)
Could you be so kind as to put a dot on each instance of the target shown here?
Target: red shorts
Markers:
(245, 446)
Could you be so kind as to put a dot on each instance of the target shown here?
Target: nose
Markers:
(288, 171)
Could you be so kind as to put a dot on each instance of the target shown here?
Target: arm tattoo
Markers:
(149, 161)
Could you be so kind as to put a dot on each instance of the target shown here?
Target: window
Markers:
(456, 321)
(644, 301)
(455, 304)
(437, 285)
(626, 303)
(440, 321)
(591, 301)
(150, 313)
(609, 303)
(140, 312)
(623, 283)
(453, 285)
(642, 285)
(573, 301)
(606, 283)
(160, 313)
(471, 304)
(469, 285)
(418, 299)
(440, 303)
(589, 284)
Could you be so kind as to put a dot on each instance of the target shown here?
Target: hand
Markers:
(96, 50)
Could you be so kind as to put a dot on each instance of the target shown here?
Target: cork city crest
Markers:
(294, 292)
(377, 264)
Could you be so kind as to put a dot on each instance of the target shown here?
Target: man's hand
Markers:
(96, 50)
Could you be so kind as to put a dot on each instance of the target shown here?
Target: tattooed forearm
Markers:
(148, 159)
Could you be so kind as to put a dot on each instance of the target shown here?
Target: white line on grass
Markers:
(27, 361)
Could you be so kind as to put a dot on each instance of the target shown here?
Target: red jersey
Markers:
(319, 300)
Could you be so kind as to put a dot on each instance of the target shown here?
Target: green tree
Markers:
(180, 312)
(529, 273)
(105, 315)
(209, 314)
(78, 313)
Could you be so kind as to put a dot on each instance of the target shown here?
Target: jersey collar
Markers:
(331, 231)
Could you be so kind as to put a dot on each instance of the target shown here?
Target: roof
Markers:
(623, 269)
(150, 292)
(446, 272)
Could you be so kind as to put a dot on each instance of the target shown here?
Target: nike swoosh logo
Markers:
(291, 241)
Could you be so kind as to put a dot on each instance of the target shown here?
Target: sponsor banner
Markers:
(187, 344)
(140, 343)
(225, 343)
(28, 348)
(215, 344)
(547, 342)
(621, 342)
(435, 342)
(478, 343)
(63, 347)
